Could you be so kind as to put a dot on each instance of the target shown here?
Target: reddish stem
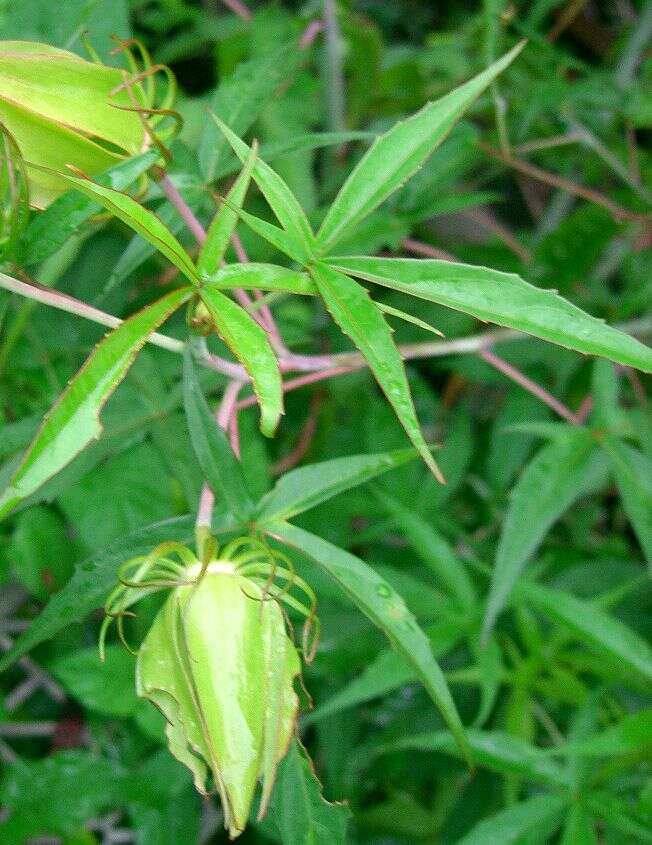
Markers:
(225, 413)
(531, 386)
(302, 381)
(238, 8)
(310, 33)
(427, 250)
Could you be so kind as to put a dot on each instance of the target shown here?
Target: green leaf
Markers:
(593, 626)
(558, 474)
(40, 550)
(94, 577)
(502, 298)
(408, 318)
(578, 829)
(212, 448)
(225, 220)
(267, 277)
(386, 609)
(239, 100)
(282, 201)
(50, 229)
(398, 154)
(106, 686)
(250, 344)
(305, 141)
(632, 734)
(389, 671)
(141, 220)
(298, 810)
(282, 240)
(353, 310)
(139, 250)
(619, 815)
(73, 421)
(432, 548)
(494, 750)
(306, 487)
(512, 825)
(633, 473)
(489, 662)
(58, 794)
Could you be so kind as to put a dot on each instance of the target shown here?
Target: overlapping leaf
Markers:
(551, 482)
(212, 448)
(502, 298)
(250, 344)
(397, 154)
(352, 309)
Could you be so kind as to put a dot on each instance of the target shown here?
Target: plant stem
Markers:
(617, 211)
(238, 8)
(334, 67)
(347, 360)
(69, 304)
(264, 318)
(225, 412)
(310, 33)
(531, 386)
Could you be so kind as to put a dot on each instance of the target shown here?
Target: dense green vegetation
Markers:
(483, 668)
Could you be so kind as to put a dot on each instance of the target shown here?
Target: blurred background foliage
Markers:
(549, 176)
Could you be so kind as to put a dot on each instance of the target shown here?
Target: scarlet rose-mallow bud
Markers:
(219, 661)
(14, 209)
(64, 110)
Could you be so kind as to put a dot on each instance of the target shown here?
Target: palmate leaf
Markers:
(73, 422)
(502, 298)
(250, 344)
(386, 609)
(141, 220)
(239, 100)
(602, 632)
(212, 448)
(633, 473)
(353, 310)
(306, 487)
(399, 153)
(558, 474)
(281, 200)
(225, 220)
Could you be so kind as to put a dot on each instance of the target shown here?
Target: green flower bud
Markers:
(14, 201)
(63, 110)
(219, 664)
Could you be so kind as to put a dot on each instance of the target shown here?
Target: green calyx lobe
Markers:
(220, 665)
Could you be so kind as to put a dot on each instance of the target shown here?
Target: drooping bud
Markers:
(219, 664)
